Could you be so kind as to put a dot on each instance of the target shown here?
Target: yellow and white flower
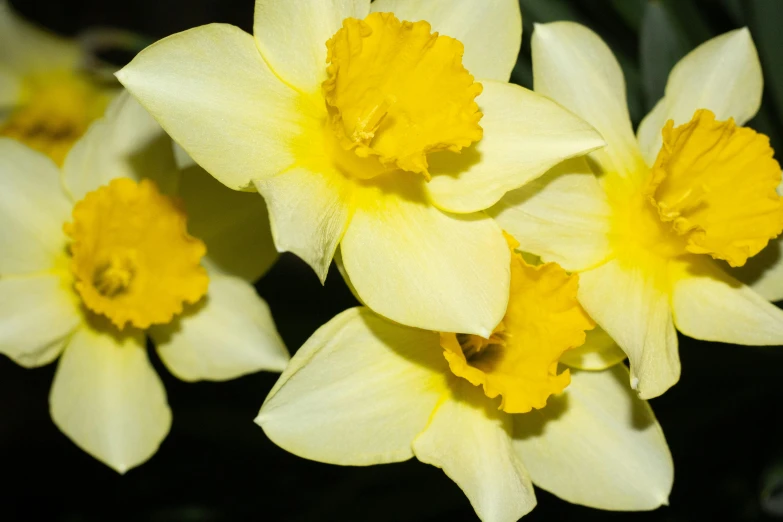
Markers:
(363, 390)
(652, 223)
(347, 117)
(96, 257)
(47, 100)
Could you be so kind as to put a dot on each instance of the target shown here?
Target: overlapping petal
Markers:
(764, 271)
(470, 439)
(722, 75)
(33, 208)
(563, 217)
(107, 398)
(357, 392)
(234, 225)
(228, 334)
(491, 31)
(37, 315)
(599, 352)
(126, 143)
(422, 267)
(308, 213)
(574, 67)
(525, 134)
(631, 303)
(292, 36)
(212, 91)
(709, 304)
(597, 445)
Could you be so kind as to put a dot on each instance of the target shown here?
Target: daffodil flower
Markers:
(47, 100)
(652, 223)
(384, 128)
(99, 256)
(364, 390)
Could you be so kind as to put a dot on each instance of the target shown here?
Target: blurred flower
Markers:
(47, 97)
(363, 390)
(636, 219)
(348, 122)
(97, 257)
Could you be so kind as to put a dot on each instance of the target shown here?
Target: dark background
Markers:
(722, 420)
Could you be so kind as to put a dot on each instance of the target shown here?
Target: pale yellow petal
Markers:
(632, 304)
(107, 398)
(422, 267)
(525, 134)
(227, 334)
(357, 392)
(308, 213)
(25, 47)
(37, 315)
(126, 143)
(292, 36)
(598, 353)
(764, 271)
(711, 305)
(598, 445)
(722, 75)
(562, 217)
(574, 67)
(470, 439)
(33, 208)
(215, 95)
(234, 225)
(491, 30)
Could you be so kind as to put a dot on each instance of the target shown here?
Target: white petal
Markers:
(599, 352)
(632, 305)
(37, 315)
(491, 30)
(234, 225)
(308, 213)
(357, 392)
(649, 134)
(764, 271)
(425, 268)
(574, 67)
(292, 36)
(33, 209)
(470, 439)
(722, 75)
(713, 306)
(563, 217)
(126, 143)
(525, 134)
(228, 334)
(27, 48)
(107, 398)
(214, 94)
(597, 445)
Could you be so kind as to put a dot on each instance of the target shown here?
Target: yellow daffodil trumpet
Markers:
(384, 128)
(653, 224)
(496, 414)
(116, 247)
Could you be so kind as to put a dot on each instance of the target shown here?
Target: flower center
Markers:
(519, 360)
(396, 91)
(132, 257)
(715, 183)
(54, 111)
